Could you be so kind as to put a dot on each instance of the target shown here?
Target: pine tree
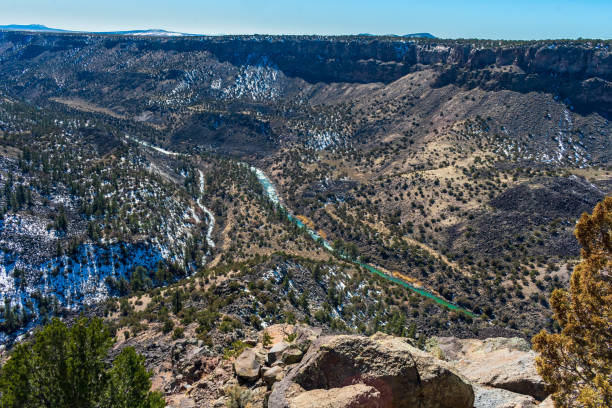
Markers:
(129, 383)
(577, 362)
(177, 301)
(61, 222)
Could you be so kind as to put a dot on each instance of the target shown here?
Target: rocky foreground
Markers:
(300, 367)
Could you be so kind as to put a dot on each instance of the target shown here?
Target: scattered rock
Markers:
(220, 403)
(402, 375)
(305, 335)
(252, 342)
(272, 375)
(187, 403)
(257, 397)
(506, 363)
(276, 352)
(247, 366)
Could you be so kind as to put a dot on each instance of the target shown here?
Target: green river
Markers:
(272, 194)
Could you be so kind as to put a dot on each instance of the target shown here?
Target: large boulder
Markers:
(507, 363)
(247, 365)
(403, 376)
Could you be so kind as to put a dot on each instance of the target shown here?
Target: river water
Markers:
(272, 194)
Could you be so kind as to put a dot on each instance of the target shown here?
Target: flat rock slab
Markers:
(351, 396)
(488, 397)
(506, 363)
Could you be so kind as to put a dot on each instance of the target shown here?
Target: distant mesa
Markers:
(30, 27)
(44, 29)
(151, 32)
(419, 35)
(413, 35)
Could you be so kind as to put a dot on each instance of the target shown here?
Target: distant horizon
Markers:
(60, 30)
(519, 20)
(46, 28)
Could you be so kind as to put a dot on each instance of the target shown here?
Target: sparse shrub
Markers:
(267, 339)
(237, 396)
(168, 326)
(178, 333)
(229, 324)
(235, 349)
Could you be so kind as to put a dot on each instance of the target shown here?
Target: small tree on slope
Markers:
(578, 361)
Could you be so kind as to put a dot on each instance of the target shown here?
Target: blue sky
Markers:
(498, 19)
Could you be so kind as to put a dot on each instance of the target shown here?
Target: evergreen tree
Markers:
(61, 222)
(177, 301)
(129, 383)
(577, 362)
(65, 367)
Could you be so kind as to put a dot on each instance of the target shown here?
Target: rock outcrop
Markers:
(506, 363)
(380, 371)
(299, 367)
(547, 403)
(292, 356)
